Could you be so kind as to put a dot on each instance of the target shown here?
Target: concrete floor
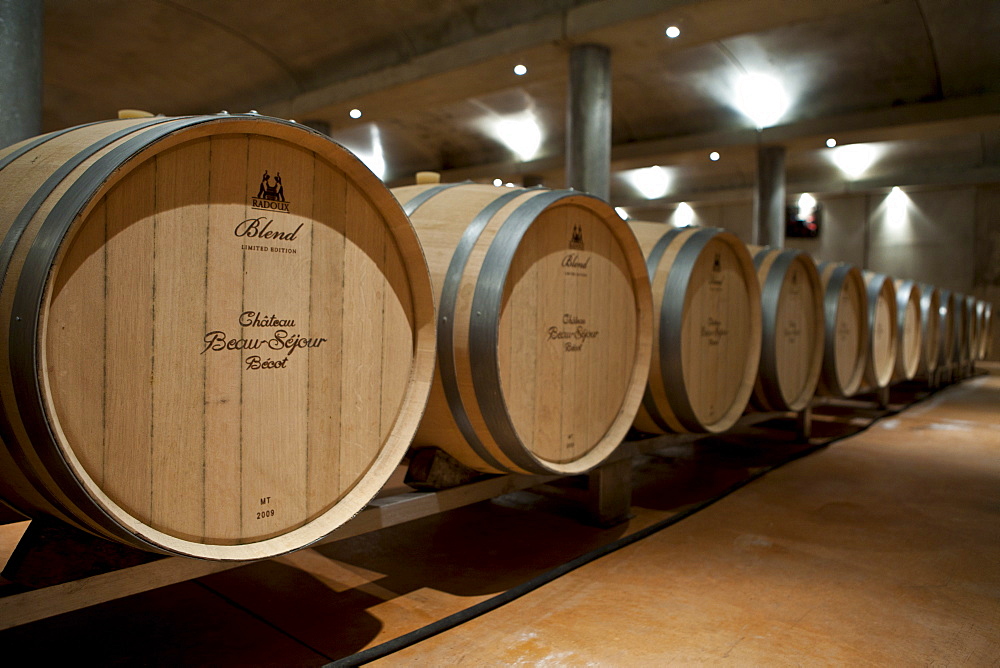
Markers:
(880, 549)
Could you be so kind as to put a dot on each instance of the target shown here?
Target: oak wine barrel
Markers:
(946, 350)
(972, 332)
(962, 327)
(792, 329)
(930, 328)
(544, 326)
(986, 331)
(218, 333)
(980, 342)
(909, 346)
(706, 329)
(845, 308)
(883, 334)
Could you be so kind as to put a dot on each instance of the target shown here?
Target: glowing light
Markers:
(651, 182)
(831, 142)
(683, 215)
(854, 159)
(509, 185)
(374, 158)
(521, 134)
(896, 206)
(807, 205)
(355, 113)
(622, 213)
(714, 156)
(761, 98)
(520, 70)
(498, 182)
(673, 32)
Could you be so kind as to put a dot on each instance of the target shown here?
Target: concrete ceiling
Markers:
(915, 77)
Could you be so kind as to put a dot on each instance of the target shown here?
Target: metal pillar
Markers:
(588, 120)
(20, 70)
(769, 198)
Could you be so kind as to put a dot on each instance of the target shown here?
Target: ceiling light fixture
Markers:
(683, 215)
(498, 182)
(714, 156)
(673, 32)
(520, 70)
(521, 134)
(853, 159)
(355, 113)
(896, 206)
(622, 213)
(831, 142)
(761, 98)
(651, 182)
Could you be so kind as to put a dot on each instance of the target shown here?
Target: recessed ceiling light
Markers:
(683, 215)
(854, 159)
(521, 133)
(673, 32)
(713, 156)
(761, 98)
(498, 182)
(651, 182)
(355, 113)
(896, 205)
(520, 70)
(831, 142)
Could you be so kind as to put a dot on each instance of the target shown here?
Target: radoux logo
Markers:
(270, 197)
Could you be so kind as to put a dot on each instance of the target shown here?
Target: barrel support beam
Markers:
(609, 487)
(20, 70)
(588, 120)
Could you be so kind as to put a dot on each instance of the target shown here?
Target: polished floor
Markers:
(881, 548)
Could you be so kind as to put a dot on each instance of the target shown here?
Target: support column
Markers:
(20, 70)
(588, 120)
(769, 198)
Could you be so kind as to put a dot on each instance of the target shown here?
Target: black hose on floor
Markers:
(470, 613)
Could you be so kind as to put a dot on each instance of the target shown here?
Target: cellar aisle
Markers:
(883, 549)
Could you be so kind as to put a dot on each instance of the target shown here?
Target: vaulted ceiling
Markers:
(915, 78)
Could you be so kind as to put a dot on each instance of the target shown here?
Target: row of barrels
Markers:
(222, 334)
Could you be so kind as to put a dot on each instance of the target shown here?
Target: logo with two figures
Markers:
(270, 197)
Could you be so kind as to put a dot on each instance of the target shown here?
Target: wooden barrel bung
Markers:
(909, 347)
(792, 329)
(219, 333)
(930, 328)
(543, 326)
(706, 329)
(883, 334)
(946, 350)
(845, 306)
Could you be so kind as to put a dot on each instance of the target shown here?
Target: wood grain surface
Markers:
(716, 320)
(235, 339)
(846, 344)
(572, 332)
(792, 345)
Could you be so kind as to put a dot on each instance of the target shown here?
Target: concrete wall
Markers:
(945, 236)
